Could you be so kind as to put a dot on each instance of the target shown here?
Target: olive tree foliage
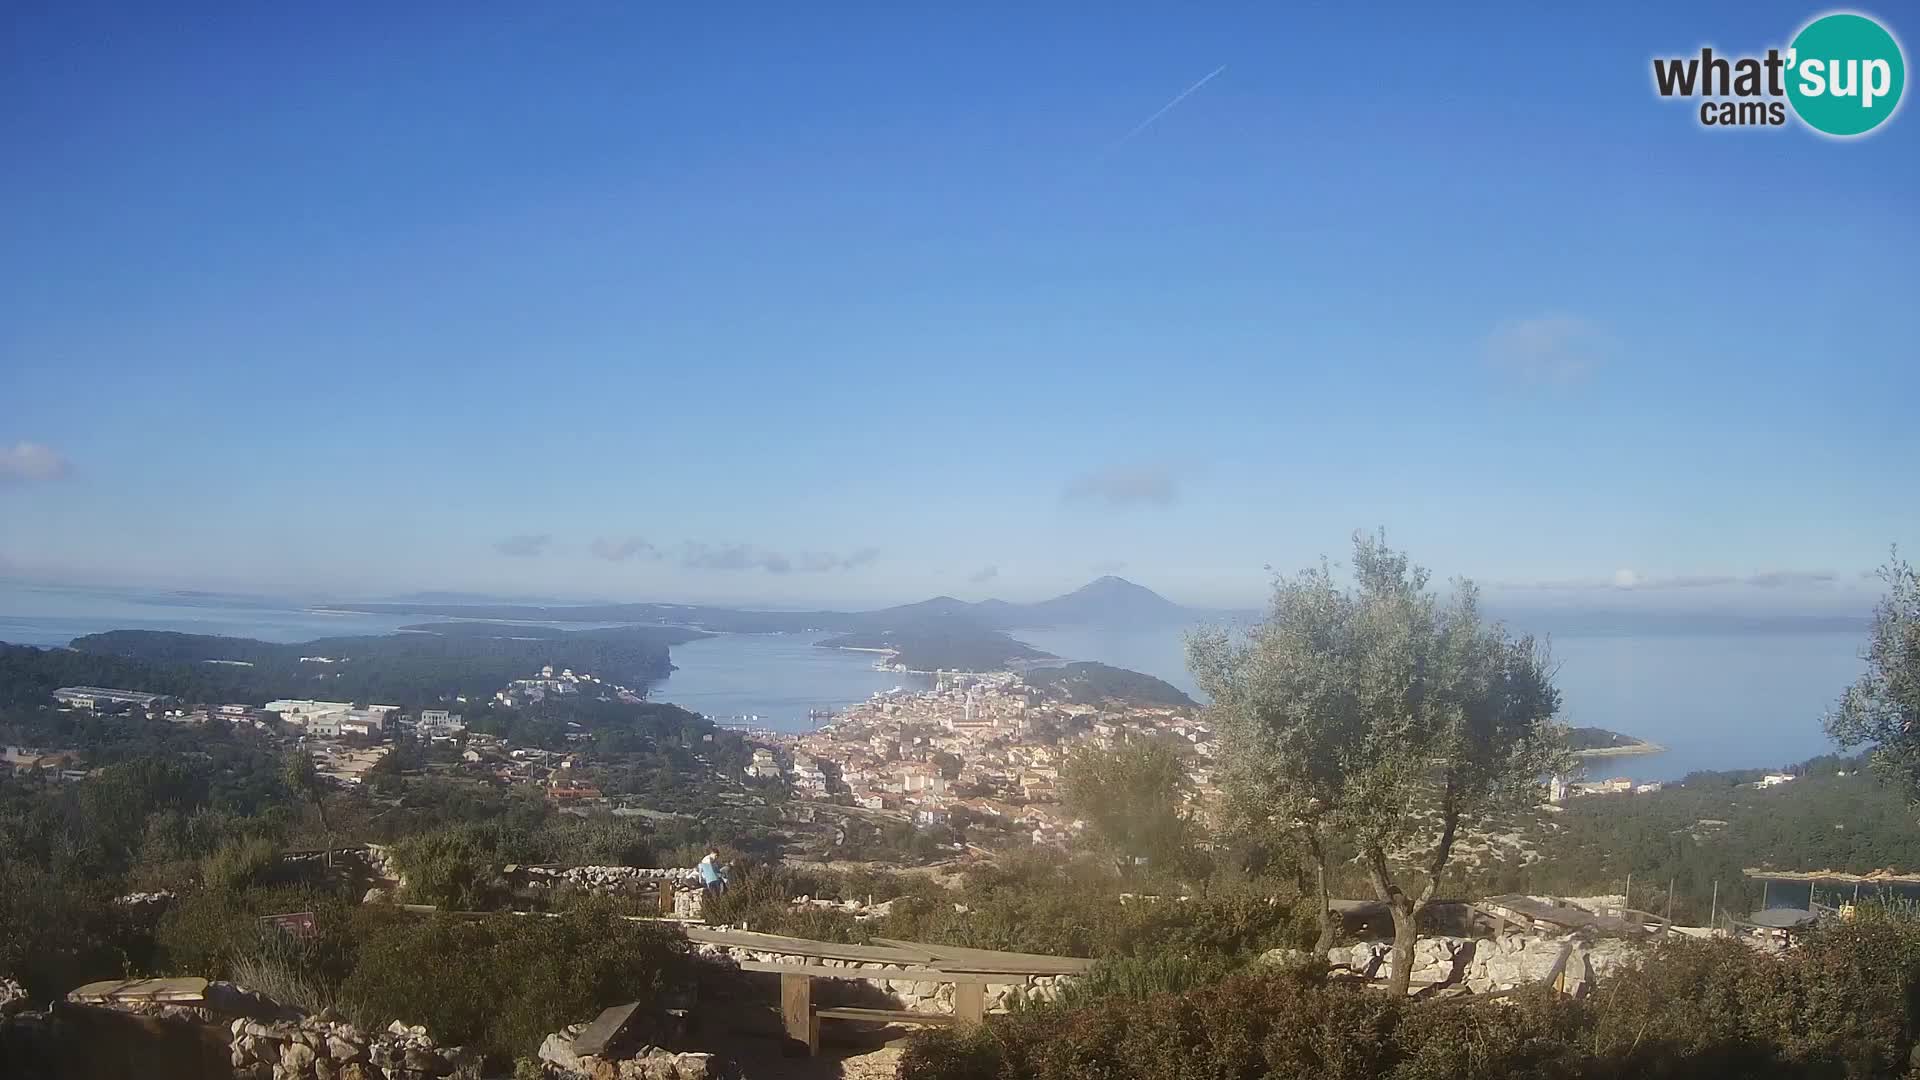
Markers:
(1133, 796)
(1381, 715)
(1882, 709)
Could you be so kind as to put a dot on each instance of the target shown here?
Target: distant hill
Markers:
(408, 669)
(1095, 684)
(1111, 602)
(1108, 602)
(933, 644)
(1593, 740)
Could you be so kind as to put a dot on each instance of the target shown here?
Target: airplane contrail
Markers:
(1164, 109)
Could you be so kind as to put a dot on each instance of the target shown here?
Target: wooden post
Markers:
(1713, 915)
(666, 897)
(796, 1010)
(969, 1004)
(1626, 902)
(1670, 905)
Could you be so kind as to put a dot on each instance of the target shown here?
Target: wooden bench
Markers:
(888, 1016)
(874, 1016)
(968, 971)
(802, 1020)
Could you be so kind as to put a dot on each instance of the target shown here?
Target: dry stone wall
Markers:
(1487, 965)
(910, 994)
(324, 1048)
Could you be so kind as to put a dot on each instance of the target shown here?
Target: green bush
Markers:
(218, 934)
(1143, 976)
(452, 869)
(239, 864)
(502, 982)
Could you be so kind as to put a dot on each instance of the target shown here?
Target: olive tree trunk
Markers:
(1324, 943)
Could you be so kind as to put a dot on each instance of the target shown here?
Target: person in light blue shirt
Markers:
(711, 878)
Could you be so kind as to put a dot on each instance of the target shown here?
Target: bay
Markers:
(772, 680)
(1749, 700)
(1715, 700)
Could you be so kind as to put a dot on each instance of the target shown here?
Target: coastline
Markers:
(1636, 750)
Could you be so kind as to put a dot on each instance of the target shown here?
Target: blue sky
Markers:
(796, 305)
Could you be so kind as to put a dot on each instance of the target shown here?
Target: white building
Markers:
(763, 766)
(305, 711)
(439, 723)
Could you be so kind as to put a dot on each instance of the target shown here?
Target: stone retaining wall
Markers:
(910, 994)
(1486, 965)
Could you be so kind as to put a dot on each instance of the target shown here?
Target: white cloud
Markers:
(1125, 485)
(623, 549)
(694, 555)
(31, 462)
(1548, 348)
(524, 546)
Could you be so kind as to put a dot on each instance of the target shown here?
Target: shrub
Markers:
(450, 869)
(502, 982)
(1145, 975)
(1842, 1006)
(239, 864)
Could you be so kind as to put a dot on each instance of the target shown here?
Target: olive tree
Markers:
(1882, 709)
(1133, 797)
(304, 782)
(1382, 717)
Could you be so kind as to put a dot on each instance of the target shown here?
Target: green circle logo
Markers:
(1845, 74)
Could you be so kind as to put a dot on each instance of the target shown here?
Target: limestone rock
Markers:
(1285, 958)
(557, 1050)
(296, 1056)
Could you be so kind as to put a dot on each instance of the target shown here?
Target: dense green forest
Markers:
(407, 669)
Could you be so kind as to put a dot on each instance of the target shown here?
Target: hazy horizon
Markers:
(1508, 605)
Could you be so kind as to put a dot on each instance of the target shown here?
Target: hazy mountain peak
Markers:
(1108, 600)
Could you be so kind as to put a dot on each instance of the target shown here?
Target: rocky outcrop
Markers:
(1437, 961)
(559, 1061)
(1487, 965)
(13, 998)
(324, 1047)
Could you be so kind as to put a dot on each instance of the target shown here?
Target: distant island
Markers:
(936, 644)
(1110, 602)
(423, 665)
(1599, 742)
